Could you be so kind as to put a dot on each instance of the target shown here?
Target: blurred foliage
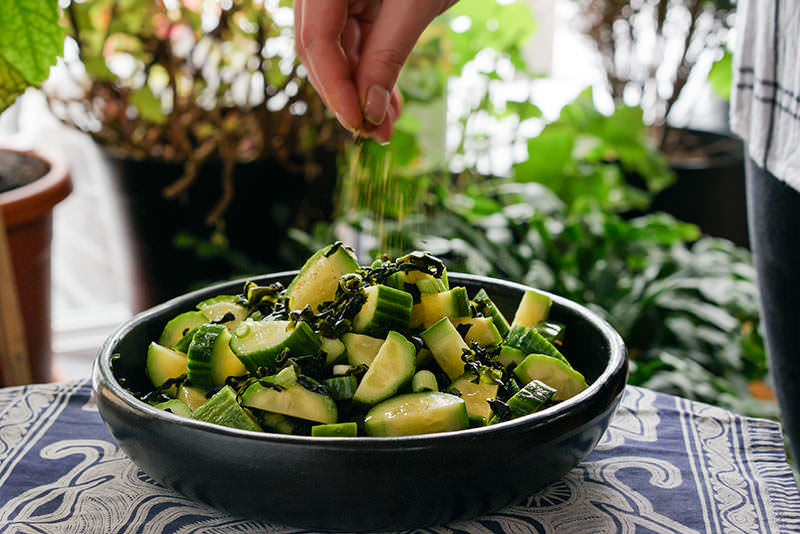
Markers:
(685, 304)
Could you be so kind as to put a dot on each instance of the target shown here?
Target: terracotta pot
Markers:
(27, 211)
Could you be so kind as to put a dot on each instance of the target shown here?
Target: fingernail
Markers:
(376, 104)
(344, 123)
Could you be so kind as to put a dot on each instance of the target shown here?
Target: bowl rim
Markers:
(103, 378)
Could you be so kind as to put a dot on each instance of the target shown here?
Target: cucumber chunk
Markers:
(276, 423)
(258, 343)
(341, 387)
(361, 349)
(476, 396)
(163, 364)
(386, 308)
(424, 381)
(336, 430)
(452, 303)
(391, 369)
(222, 307)
(417, 413)
(318, 279)
(179, 326)
(191, 396)
(530, 399)
(510, 355)
(551, 331)
(210, 358)
(487, 308)
(222, 409)
(533, 308)
(529, 341)
(481, 330)
(555, 373)
(431, 285)
(284, 395)
(174, 406)
(447, 347)
(333, 348)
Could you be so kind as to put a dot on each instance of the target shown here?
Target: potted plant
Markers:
(30, 186)
(649, 51)
(219, 141)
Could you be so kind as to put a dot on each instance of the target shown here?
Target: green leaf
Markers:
(148, 104)
(721, 75)
(12, 84)
(30, 37)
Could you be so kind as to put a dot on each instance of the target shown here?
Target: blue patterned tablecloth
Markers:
(665, 465)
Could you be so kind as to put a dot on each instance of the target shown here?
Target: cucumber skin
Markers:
(530, 398)
(200, 352)
(392, 311)
(223, 409)
(529, 341)
(336, 430)
(301, 341)
(341, 387)
(500, 322)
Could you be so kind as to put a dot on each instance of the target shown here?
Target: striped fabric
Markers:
(765, 100)
(665, 465)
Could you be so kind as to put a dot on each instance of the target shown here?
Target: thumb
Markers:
(386, 48)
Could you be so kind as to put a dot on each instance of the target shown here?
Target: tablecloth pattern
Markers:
(665, 465)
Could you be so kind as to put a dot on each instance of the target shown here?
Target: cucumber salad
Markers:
(386, 350)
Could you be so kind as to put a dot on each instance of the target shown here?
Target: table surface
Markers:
(665, 465)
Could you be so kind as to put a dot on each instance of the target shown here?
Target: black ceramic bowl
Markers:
(362, 483)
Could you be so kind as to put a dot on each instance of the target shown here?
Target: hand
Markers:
(354, 50)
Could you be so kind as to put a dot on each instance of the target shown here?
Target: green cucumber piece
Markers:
(163, 364)
(417, 413)
(174, 406)
(510, 356)
(318, 279)
(431, 285)
(276, 422)
(386, 308)
(530, 398)
(285, 396)
(336, 430)
(341, 387)
(185, 341)
(392, 368)
(361, 349)
(551, 331)
(222, 409)
(414, 276)
(487, 308)
(481, 331)
(218, 308)
(210, 358)
(555, 373)
(179, 326)
(529, 341)
(333, 348)
(424, 381)
(447, 347)
(533, 308)
(424, 355)
(191, 396)
(476, 396)
(258, 343)
(452, 303)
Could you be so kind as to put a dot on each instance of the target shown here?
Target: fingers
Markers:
(388, 44)
(319, 28)
(383, 132)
